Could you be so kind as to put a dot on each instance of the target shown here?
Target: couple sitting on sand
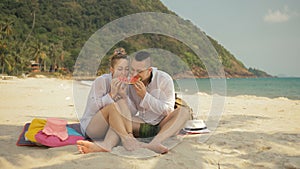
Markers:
(117, 111)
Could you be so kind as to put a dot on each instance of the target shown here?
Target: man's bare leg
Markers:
(170, 126)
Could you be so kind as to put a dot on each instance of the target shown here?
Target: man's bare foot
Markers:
(85, 147)
(157, 147)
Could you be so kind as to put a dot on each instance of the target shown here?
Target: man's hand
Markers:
(140, 89)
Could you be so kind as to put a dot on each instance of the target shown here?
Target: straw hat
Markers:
(194, 125)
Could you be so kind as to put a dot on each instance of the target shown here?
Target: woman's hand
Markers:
(114, 87)
(118, 89)
(123, 90)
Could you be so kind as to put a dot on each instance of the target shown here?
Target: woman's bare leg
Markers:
(111, 140)
(122, 108)
(97, 129)
(120, 121)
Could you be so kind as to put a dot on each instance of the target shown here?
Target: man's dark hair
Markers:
(140, 56)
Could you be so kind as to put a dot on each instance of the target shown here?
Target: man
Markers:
(152, 104)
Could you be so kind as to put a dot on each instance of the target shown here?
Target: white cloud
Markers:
(277, 16)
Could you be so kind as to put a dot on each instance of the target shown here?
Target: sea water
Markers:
(264, 87)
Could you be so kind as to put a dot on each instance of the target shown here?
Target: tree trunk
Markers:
(2, 63)
(32, 27)
(45, 66)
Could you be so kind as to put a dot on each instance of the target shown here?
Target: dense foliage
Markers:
(258, 73)
(52, 33)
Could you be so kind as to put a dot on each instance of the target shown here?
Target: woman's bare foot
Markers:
(85, 147)
(157, 147)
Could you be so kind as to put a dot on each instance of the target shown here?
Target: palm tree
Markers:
(5, 31)
(4, 57)
(37, 50)
(60, 55)
(56, 55)
(44, 59)
(22, 61)
(52, 56)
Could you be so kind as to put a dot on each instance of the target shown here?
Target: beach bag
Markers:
(55, 141)
(181, 103)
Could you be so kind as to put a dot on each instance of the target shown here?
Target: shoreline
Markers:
(89, 83)
(253, 132)
(86, 81)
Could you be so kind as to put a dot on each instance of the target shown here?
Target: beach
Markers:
(253, 132)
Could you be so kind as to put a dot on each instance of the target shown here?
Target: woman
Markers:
(102, 118)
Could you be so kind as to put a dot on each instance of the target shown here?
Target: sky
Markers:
(263, 34)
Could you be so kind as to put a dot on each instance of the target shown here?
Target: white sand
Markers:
(254, 132)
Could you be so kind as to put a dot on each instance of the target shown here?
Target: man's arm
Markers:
(161, 100)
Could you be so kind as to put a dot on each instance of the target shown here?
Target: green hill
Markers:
(52, 33)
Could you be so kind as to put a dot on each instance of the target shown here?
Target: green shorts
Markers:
(148, 130)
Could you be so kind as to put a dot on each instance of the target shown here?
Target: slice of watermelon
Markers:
(123, 79)
(134, 79)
